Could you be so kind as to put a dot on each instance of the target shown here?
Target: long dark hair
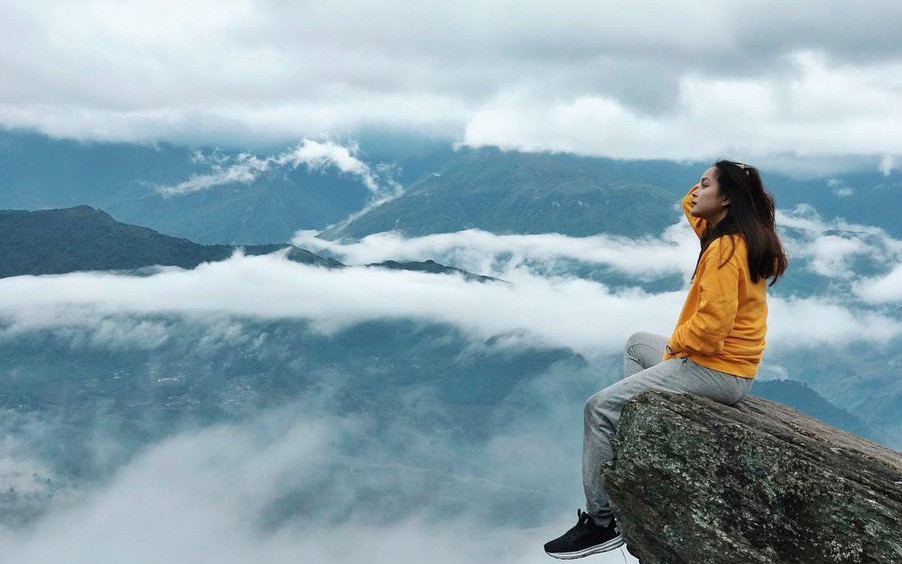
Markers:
(751, 214)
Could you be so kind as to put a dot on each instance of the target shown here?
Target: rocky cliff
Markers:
(697, 482)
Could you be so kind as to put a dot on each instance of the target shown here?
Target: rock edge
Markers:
(695, 482)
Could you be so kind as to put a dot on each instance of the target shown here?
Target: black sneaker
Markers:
(584, 539)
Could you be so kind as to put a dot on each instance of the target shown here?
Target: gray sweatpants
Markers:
(642, 370)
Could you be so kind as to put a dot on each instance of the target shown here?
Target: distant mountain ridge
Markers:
(432, 267)
(508, 192)
(800, 396)
(511, 192)
(123, 179)
(83, 239)
(446, 190)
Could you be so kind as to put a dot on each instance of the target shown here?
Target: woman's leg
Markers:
(602, 413)
(642, 350)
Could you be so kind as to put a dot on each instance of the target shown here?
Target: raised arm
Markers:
(698, 224)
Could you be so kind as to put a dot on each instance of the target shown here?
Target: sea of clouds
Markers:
(301, 482)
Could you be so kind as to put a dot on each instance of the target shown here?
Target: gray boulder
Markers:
(698, 482)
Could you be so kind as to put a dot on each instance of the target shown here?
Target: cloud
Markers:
(566, 281)
(798, 323)
(839, 188)
(882, 289)
(621, 78)
(583, 293)
(831, 247)
(564, 313)
(18, 469)
(87, 328)
(830, 254)
(484, 252)
(828, 111)
(887, 164)
(299, 481)
(247, 168)
(569, 312)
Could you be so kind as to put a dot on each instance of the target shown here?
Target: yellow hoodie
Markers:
(724, 318)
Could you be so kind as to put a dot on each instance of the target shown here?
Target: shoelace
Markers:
(583, 519)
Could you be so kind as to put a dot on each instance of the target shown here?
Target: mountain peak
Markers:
(63, 240)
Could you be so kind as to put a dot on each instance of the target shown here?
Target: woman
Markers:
(718, 341)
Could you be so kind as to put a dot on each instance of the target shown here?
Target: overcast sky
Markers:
(684, 79)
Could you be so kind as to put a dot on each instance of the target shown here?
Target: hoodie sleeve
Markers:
(718, 288)
(698, 224)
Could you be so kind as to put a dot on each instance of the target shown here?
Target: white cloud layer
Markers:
(575, 313)
(247, 167)
(205, 496)
(484, 252)
(817, 110)
(831, 247)
(586, 316)
(882, 289)
(887, 164)
(564, 280)
(630, 79)
(834, 249)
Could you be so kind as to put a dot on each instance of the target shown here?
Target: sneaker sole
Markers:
(615, 542)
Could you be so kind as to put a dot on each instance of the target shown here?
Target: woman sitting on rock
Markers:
(718, 341)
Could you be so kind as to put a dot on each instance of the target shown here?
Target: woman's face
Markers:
(707, 201)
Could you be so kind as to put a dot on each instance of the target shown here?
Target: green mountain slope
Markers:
(509, 192)
(432, 267)
(122, 178)
(799, 396)
(513, 192)
(447, 190)
(83, 238)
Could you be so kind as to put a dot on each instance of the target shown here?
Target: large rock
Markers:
(698, 482)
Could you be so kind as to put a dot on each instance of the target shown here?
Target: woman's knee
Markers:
(634, 339)
(642, 338)
(595, 406)
(590, 406)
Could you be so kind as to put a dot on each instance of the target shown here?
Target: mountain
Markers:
(432, 267)
(138, 378)
(446, 189)
(124, 179)
(799, 396)
(866, 198)
(511, 192)
(869, 388)
(83, 238)
(516, 192)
